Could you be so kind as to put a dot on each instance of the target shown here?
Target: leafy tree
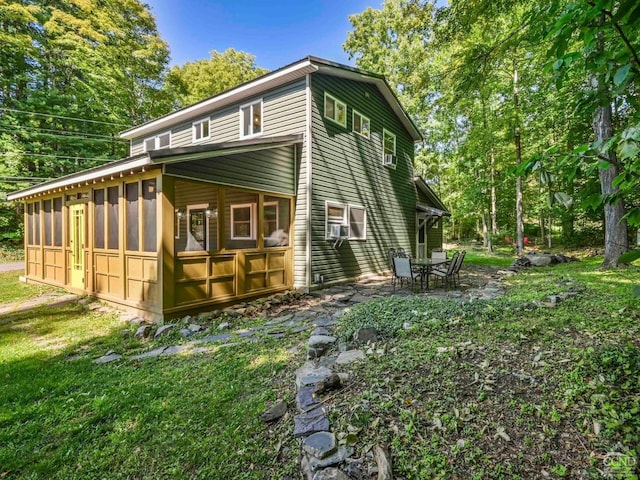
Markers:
(195, 81)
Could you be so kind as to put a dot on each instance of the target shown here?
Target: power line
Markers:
(9, 130)
(29, 154)
(24, 178)
(65, 132)
(63, 117)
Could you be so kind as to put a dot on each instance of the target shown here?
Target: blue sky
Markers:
(277, 32)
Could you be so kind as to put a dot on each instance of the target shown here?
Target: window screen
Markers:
(133, 234)
(98, 198)
(149, 214)
(112, 218)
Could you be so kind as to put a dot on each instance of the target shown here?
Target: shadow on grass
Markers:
(191, 416)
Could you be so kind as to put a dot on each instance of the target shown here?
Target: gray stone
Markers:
(320, 444)
(311, 422)
(539, 260)
(195, 328)
(308, 374)
(275, 412)
(328, 362)
(317, 341)
(320, 331)
(214, 338)
(185, 332)
(156, 352)
(366, 335)
(175, 350)
(358, 298)
(340, 456)
(330, 473)
(163, 330)
(143, 331)
(281, 319)
(136, 320)
(110, 356)
(350, 356)
(300, 328)
(305, 398)
(223, 326)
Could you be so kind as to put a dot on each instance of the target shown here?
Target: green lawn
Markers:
(496, 389)
(11, 290)
(64, 417)
(505, 388)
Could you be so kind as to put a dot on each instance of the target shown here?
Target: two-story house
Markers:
(299, 178)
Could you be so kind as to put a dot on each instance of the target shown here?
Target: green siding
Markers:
(283, 113)
(348, 168)
(267, 170)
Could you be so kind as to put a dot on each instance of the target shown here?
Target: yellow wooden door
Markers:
(76, 239)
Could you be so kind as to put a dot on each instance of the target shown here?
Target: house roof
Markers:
(156, 158)
(286, 74)
(438, 209)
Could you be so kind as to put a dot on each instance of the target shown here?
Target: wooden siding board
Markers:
(348, 168)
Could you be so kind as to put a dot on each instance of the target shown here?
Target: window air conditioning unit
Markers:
(388, 159)
(334, 231)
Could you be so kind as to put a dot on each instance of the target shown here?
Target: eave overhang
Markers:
(431, 196)
(155, 159)
(282, 76)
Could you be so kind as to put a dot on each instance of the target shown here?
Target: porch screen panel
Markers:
(149, 214)
(57, 222)
(98, 198)
(276, 218)
(241, 226)
(133, 234)
(46, 207)
(30, 223)
(112, 218)
(36, 223)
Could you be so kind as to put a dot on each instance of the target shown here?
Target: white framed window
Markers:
(335, 217)
(243, 224)
(251, 119)
(389, 158)
(357, 223)
(162, 140)
(200, 130)
(335, 110)
(361, 124)
(344, 220)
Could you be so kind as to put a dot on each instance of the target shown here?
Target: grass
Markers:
(197, 416)
(504, 388)
(11, 290)
(488, 389)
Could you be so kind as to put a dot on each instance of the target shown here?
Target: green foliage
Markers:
(195, 81)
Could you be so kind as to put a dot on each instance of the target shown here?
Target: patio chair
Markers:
(448, 273)
(458, 266)
(438, 255)
(403, 270)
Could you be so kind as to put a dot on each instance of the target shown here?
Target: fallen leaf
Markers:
(502, 434)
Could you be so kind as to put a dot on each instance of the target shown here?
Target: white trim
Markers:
(364, 226)
(308, 144)
(200, 206)
(250, 105)
(193, 129)
(89, 175)
(395, 154)
(156, 141)
(345, 219)
(336, 102)
(252, 226)
(261, 84)
(362, 117)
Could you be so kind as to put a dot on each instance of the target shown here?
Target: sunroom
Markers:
(169, 231)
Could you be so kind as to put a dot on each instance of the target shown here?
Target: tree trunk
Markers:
(494, 200)
(616, 241)
(542, 235)
(549, 229)
(518, 145)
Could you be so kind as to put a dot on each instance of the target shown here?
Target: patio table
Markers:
(425, 265)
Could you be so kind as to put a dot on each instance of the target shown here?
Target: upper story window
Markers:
(389, 149)
(162, 140)
(335, 110)
(361, 124)
(200, 130)
(251, 119)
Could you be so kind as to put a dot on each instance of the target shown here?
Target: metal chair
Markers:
(458, 266)
(403, 270)
(438, 255)
(448, 274)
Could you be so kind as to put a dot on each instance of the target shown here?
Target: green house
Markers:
(300, 178)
